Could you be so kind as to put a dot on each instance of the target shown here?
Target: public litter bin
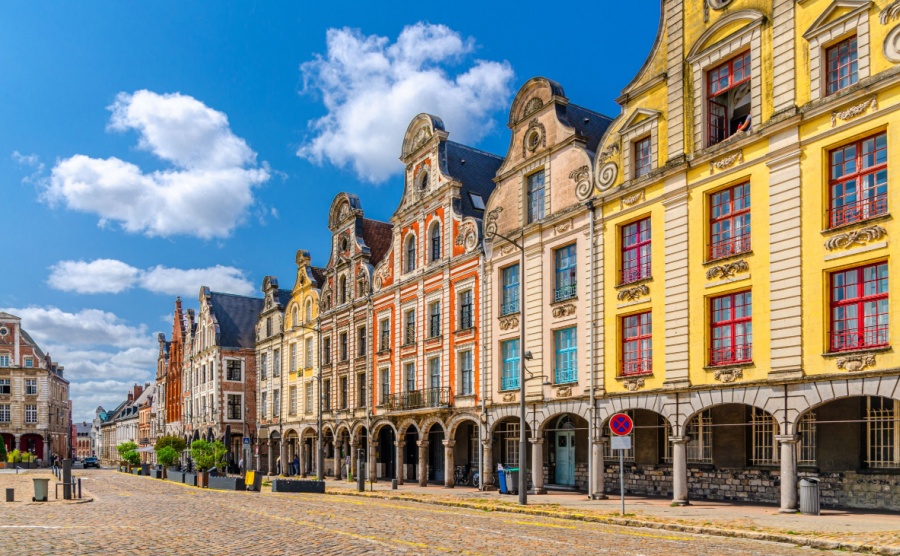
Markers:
(41, 488)
(809, 496)
(501, 480)
(145, 469)
(512, 480)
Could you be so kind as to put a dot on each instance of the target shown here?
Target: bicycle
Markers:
(460, 475)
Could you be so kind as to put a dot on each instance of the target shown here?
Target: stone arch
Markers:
(307, 431)
(405, 424)
(705, 40)
(356, 429)
(274, 435)
(662, 405)
(328, 429)
(420, 130)
(501, 414)
(767, 398)
(551, 411)
(533, 88)
(341, 429)
(343, 206)
(810, 396)
(430, 422)
(291, 431)
(381, 423)
(459, 419)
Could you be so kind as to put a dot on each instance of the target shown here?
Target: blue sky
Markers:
(147, 148)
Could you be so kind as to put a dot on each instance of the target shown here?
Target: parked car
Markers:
(91, 462)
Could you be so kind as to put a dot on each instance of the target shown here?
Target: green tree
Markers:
(176, 442)
(128, 452)
(2, 451)
(167, 456)
(208, 455)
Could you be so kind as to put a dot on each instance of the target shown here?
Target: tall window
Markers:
(276, 403)
(361, 390)
(511, 444)
(858, 181)
(637, 344)
(566, 283)
(466, 317)
(293, 363)
(434, 319)
(859, 308)
(31, 387)
(509, 350)
(4, 413)
(4, 386)
(361, 342)
(732, 329)
(385, 385)
(842, 65)
(410, 326)
(535, 196)
(466, 374)
(763, 446)
(342, 289)
(410, 253)
(343, 347)
(268, 326)
(308, 310)
(510, 290)
(292, 408)
(234, 406)
(434, 372)
(264, 366)
(728, 98)
(295, 316)
(276, 363)
(31, 414)
(699, 430)
(806, 447)
(882, 432)
(326, 395)
(636, 251)
(326, 350)
(309, 353)
(435, 242)
(233, 370)
(384, 327)
(730, 221)
(642, 152)
(308, 407)
(29, 362)
(4, 360)
(566, 355)
(343, 394)
(264, 405)
(410, 375)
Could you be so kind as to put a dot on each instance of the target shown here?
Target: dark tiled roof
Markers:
(590, 124)
(378, 237)
(318, 275)
(284, 296)
(237, 317)
(28, 339)
(475, 170)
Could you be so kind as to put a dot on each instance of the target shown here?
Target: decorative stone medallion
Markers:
(563, 391)
(508, 323)
(634, 384)
(854, 111)
(861, 236)
(582, 178)
(727, 162)
(468, 236)
(854, 363)
(607, 175)
(632, 199)
(728, 375)
(509, 397)
(564, 310)
(634, 293)
(727, 270)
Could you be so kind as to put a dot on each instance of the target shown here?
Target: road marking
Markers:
(538, 524)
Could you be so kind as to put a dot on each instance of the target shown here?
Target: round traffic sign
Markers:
(620, 424)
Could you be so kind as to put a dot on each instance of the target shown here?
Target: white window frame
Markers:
(31, 414)
(243, 374)
(632, 132)
(292, 408)
(5, 414)
(31, 387)
(227, 418)
(821, 36)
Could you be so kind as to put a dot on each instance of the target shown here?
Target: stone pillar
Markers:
(537, 465)
(346, 452)
(487, 478)
(599, 470)
(449, 467)
(285, 459)
(354, 449)
(679, 470)
(399, 461)
(270, 461)
(371, 462)
(423, 462)
(336, 456)
(788, 473)
(303, 470)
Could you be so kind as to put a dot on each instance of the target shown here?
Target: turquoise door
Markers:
(565, 457)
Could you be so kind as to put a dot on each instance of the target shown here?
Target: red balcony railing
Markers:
(872, 336)
(859, 210)
(730, 246)
(731, 355)
(634, 273)
(643, 366)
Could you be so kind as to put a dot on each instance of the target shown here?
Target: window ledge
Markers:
(833, 354)
(564, 299)
(622, 378)
(384, 351)
(509, 314)
(879, 218)
(464, 397)
(720, 260)
(509, 390)
(741, 365)
(573, 383)
(634, 282)
(407, 344)
(463, 330)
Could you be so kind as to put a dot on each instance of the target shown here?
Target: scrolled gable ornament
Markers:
(582, 178)
(490, 222)
(718, 4)
(892, 42)
(891, 11)
(468, 236)
(606, 175)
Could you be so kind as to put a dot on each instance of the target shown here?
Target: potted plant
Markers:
(129, 454)
(2, 454)
(166, 457)
(206, 456)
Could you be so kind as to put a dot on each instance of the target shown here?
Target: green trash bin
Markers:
(41, 488)
(512, 480)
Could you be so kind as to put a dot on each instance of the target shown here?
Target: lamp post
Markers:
(488, 243)
(320, 460)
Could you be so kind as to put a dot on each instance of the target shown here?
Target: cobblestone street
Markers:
(136, 515)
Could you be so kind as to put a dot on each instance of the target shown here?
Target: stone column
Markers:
(285, 461)
(336, 456)
(449, 468)
(599, 470)
(372, 463)
(303, 470)
(346, 453)
(399, 461)
(788, 473)
(537, 465)
(354, 453)
(269, 459)
(679, 470)
(488, 477)
(423, 462)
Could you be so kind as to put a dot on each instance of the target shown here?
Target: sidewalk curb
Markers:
(797, 540)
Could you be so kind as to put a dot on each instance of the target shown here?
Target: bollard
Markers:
(360, 474)
(79, 488)
(67, 479)
(393, 484)
(10, 495)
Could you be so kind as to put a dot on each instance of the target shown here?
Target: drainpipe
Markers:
(370, 393)
(592, 488)
(483, 420)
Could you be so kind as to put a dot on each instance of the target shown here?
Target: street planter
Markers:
(289, 485)
(226, 483)
(156, 473)
(175, 476)
(190, 479)
(202, 479)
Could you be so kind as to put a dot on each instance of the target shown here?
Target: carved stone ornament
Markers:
(344, 212)
(634, 384)
(607, 175)
(564, 310)
(728, 270)
(861, 236)
(891, 11)
(582, 178)
(728, 375)
(854, 363)
(563, 391)
(892, 43)
(532, 106)
(509, 397)
(509, 323)
(718, 4)
(468, 236)
(563, 227)
(632, 294)
(612, 151)
(726, 162)
(382, 273)
(632, 199)
(535, 138)
(420, 138)
(854, 111)
(490, 222)
(507, 249)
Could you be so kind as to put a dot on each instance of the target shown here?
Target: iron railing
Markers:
(566, 292)
(509, 307)
(419, 399)
(857, 211)
(731, 355)
(867, 337)
(730, 246)
(634, 273)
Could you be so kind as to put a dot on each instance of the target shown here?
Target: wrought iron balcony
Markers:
(419, 399)
(509, 307)
(566, 292)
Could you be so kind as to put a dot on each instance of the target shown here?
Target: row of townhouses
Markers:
(714, 261)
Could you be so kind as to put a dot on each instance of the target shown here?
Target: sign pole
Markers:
(622, 478)
(621, 425)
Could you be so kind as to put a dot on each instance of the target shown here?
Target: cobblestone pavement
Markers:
(140, 515)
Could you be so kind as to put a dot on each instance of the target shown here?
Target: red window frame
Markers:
(636, 249)
(729, 221)
(731, 328)
(859, 308)
(720, 80)
(643, 150)
(855, 192)
(839, 58)
(637, 344)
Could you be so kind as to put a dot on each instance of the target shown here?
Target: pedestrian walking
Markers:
(241, 466)
(296, 464)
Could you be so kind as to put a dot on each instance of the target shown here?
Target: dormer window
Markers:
(642, 158)
(435, 242)
(535, 197)
(729, 99)
(423, 181)
(410, 253)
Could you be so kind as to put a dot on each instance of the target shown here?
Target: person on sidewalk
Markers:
(296, 465)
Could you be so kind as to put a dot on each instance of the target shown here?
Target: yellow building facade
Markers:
(744, 242)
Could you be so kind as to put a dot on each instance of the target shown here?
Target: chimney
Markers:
(130, 396)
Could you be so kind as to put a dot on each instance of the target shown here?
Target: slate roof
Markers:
(284, 296)
(378, 236)
(318, 275)
(475, 170)
(237, 317)
(82, 428)
(590, 124)
(28, 339)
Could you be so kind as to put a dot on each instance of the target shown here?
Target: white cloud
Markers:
(372, 89)
(99, 276)
(206, 192)
(112, 276)
(87, 327)
(31, 161)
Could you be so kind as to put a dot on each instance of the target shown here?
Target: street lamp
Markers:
(488, 243)
(320, 460)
